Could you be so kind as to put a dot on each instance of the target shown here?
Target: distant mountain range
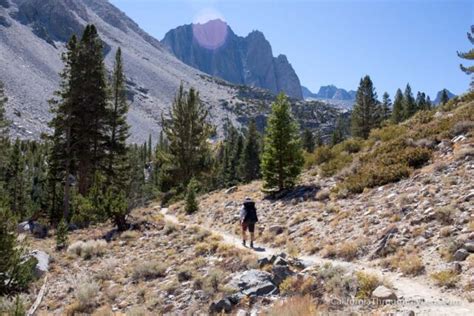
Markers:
(329, 92)
(337, 96)
(215, 49)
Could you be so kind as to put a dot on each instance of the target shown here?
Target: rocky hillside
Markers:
(216, 50)
(419, 224)
(33, 34)
(402, 248)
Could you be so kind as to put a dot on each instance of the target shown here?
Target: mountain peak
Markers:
(214, 49)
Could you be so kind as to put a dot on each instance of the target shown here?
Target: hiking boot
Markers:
(243, 243)
(251, 244)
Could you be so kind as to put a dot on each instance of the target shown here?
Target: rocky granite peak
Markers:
(242, 60)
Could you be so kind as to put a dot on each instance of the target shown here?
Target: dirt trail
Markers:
(422, 298)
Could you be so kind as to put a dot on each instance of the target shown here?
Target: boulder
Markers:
(279, 261)
(263, 262)
(280, 273)
(36, 229)
(460, 255)
(469, 246)
(253, 283)
(223, 305)
(40, 231)
(42, 265)
(383, 293)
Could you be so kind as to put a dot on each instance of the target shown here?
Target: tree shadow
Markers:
(259, 249)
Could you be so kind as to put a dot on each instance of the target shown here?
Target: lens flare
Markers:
(209, 29)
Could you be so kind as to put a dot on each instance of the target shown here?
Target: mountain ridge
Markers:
(215, 49)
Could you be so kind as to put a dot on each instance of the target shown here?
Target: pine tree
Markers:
(398, 113)
(187, 131)
(337, 135)
(318, 139)
(3, 120)
(15, 273)
(282, 158)
(364, 115)
(469, 70)
(444, 98)
(90, 109)
(409, 104)
(117, 166)
(421, 103)
(429, 104)
(249, 168)
(62, 235)
(15, 179)
(308, 140)
(385, 107)
(191, 205)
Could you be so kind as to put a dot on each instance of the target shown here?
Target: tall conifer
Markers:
(282, 158)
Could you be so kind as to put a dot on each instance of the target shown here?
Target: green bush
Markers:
(336, 164)
(373, 175)
(323, 154)
(388, 133)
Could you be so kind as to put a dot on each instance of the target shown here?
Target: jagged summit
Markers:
(215, 49)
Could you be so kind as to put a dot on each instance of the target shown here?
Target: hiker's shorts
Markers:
(249, 226)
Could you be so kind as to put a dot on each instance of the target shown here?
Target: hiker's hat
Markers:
(248, 199)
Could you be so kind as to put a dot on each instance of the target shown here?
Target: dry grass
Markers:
(148, 270)
(347, 250)
(445, 278)
(294, 306)
(367, 283)
(409, 263)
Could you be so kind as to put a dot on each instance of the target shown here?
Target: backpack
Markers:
(250, 212)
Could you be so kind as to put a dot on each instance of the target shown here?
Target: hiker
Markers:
(248, 218)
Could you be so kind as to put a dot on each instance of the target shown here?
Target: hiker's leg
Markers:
(252, 234)
(244, 236)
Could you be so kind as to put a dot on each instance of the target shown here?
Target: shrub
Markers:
(367, 283)
(462, 127)
(298, 285)
(323, 154)
(415, 157)
(337, 163)
(411, 265)
(148, 270)
(83, 211)
(347, 250)
(445, 214)
(86, 293)
(14, 306)
(446, 278)
(373, 175)
(294, 306)
(388, 133)
(88, 249)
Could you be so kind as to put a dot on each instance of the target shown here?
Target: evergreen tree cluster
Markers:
(370, 113)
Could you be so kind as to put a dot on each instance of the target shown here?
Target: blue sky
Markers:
(339, 41)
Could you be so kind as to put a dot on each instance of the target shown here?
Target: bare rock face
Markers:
(216, 50)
